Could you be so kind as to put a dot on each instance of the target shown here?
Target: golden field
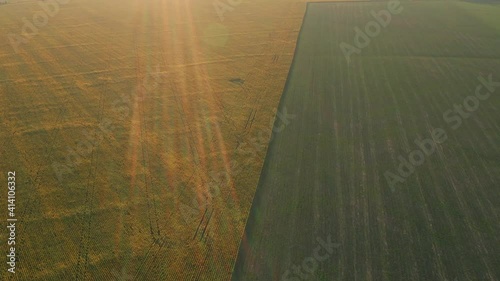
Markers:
(168, 108)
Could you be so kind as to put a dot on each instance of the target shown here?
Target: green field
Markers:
(325, 174)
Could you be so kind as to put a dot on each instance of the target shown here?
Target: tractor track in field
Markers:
(137, 104)
(141, 96)
(276, 51)
(185, 111)
(49, 150)
(82, 259)
(82, 262)
(36, 181)
(151, 255)
(141, 75)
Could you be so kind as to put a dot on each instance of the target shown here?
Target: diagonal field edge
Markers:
(239, 262)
